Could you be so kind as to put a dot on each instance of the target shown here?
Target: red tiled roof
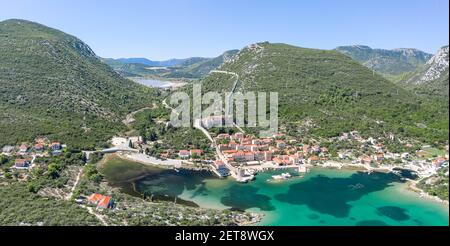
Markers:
(38, 146)
(184, 152)
(104, 202)
(94, 198)
(20, 162)
(197, 151)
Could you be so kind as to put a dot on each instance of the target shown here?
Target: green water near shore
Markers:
(323, 197)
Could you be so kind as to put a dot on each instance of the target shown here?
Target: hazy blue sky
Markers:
(182, 28)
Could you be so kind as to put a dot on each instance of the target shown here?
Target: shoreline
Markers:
(410, 185)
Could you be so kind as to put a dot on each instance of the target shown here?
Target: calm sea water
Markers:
(154, 83)
(323, 197)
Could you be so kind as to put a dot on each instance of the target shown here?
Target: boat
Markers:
(250, 172)
(282, 176)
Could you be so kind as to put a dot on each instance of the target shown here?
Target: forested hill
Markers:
(324, 93)
(53, 84)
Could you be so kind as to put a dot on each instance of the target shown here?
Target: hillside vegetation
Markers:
(191, 68)
(325, 93)
(53, 84)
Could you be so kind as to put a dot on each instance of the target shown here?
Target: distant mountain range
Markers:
(192, 68)
(167, 63)
(53, 84)
(432, 77)
(387, 62)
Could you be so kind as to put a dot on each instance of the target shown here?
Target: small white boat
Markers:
(282, 176)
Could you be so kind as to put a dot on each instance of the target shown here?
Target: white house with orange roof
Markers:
(184, 153)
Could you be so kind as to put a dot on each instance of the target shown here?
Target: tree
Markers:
(53, 170)
(32, 187)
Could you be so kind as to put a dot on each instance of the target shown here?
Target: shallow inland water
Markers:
(153, 83)
(323, 197)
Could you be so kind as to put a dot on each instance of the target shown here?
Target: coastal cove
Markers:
(322, 197)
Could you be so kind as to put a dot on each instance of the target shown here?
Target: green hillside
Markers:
(324, 93)
(390, 63)
(191, 68)
(53, 84)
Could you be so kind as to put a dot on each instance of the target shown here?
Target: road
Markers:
(130, 117)
(197, 124)
(233, 89)
(233, 170)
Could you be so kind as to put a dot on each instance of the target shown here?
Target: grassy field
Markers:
(433, 152)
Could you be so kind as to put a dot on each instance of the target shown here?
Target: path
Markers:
(98, 216)
(130, 117)
(77, 180)
(233, 89)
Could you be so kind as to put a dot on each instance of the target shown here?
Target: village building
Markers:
(184, 154)
(281, 144)
(22, 164)
(218, 164)
(315, 149)
(343, 155)
(8, 149)
(256, 141)
(55, 146)
(101, 201)
(38, 147)
(438, 161)
(239, 135)
(278, 161)
(365, 159)
(212, 121)
(294, 160)
(240, 147)
(222, 147)
(306, 149)
(253, 163)
(313, 159)
(23, 148)
(379, 157)
(197, 152)
(232, 145)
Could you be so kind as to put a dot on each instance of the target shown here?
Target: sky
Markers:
(159, 30)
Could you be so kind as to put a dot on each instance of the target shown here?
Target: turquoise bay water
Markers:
(323, 197)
